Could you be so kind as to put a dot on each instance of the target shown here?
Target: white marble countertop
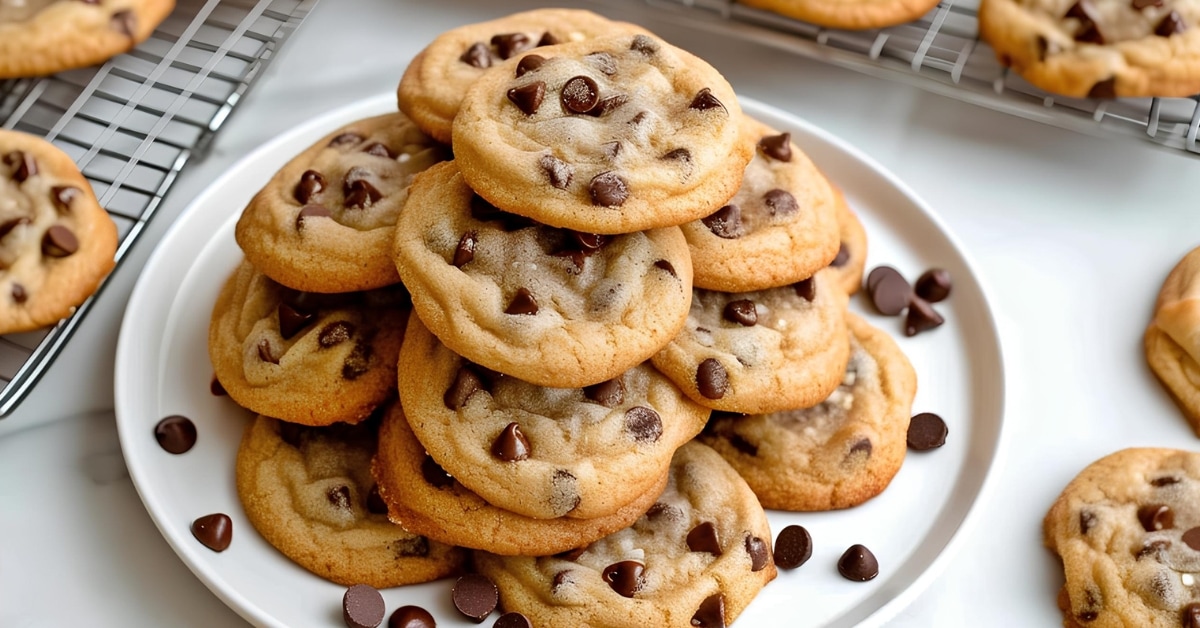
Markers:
(1072, 235)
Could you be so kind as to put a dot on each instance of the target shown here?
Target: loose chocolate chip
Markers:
(310, 211)
(465, 251)
(176, 434)
(411, 617)
(609, 394)
(758, 551)
(711, 613)
(889, 290)
(291, 320)
(266, 352)
(806, 289)
(858, 564)
(9, 225)
(434, 474)
(528, 98)
(793, 547)
(466, 383)
(1087, 520)
(63, 196)
(511, 44)
(1166, 480)
(1155, 517)
(1190, 616)
(548, 39)
(643, 424)
(59, 241)
(843, 256)
(345, 139)
(335, 333)
(705, 100)
(478, 55)
(124, 22)
(711, 379)
(725, 222)
(1192, 538)
(339, 497)
(778, 147)
(511, 445)
(921, 317)
(933, 285)
(863, 446)
(580, 94)
(743, 312)
(475, 596)
(214, 531)
(625, 577)
(529, 63)
(512, 620)
(558, 171)
(780, 202)
(362, 195)
(362, 607)
(607, 104)
(24, 165)
(703, 538)
(602, 61)
(1104, 89)
(379, 150)
(311, 183)
(19, 295)
(926, 431)
(522, 303)
(663, 264)
(1171, 24)
(608, 190)
(375, 503)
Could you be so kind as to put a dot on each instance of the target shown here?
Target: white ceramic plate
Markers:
(162, 368)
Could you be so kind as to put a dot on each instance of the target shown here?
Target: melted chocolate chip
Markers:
(528, 98)
(1171, 24)
(339, 497)
(777, 147)
(175, 434)
(529, 63)
(608, 189)
(511, 445)
(743, 312)
(607, 104)
(705, 100)
(311, 211)
(513, 620)
(703, 538)
(9, 225)
(1155, 517)
(1166, 480)
(465, 251)
(793, 547)
(780, 202)
(644, 44)
(24, 165)
(291, 320)
(335, 333)
(1104, 89)
(375, 503)
(602, 61)
(362, 195)
(889, 290)
(266, 353)
(643, 424)
(478, 55)
(379, 150)
(625, 577)
(580, 94)
(1190, 616)
(740, 443)
(1086, 13)
(63, 196)
(561, 579)
(557, 171)
(434, 474)
(711, 379)
(548, 39)
(19, 295)
(663, 264)
(682, 155)
(342, 140)
(725, 223)
(933, 285)
(511, 44)
(362, 607)
(214, 531)
(1153, 548)
(926, 431)
(466, 383)
(1087, 521)
(124, 22)
(858, 564)
(921, 317)
(758, 551)
(843, 256)
(1191, 538)
(311, 184)
(806, 289)
(862, 446)
(609, 394)
(711, 613)
(411, 617)
(59, 241)
(522, 303)
(475, 596)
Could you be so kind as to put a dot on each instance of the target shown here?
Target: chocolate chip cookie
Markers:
(851, 258)
(45, 36)
(423, 499)
(1127, 531)
(696, 558)
(325, 221)
(309, 492)
(56, 242)
(1172, 344)
(435, 81)
(305, 357)
(838, 453)
(550, 306)
(848, 14)
(543, 452)
(762, 351)
(1098, 48)
(610, 135)
(780, 227)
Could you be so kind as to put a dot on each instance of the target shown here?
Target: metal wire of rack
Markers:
(942, 53)
(133, 123)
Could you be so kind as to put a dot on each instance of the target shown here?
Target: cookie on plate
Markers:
(1127, 531)
(848, 14)
(543, 452)
(309, 492)
(696, 558)
(305, 357)
(1098, 48)
(1172, 341)
(40, 37)
(780, 227)
(762, 351)
(423, 499)
(611, 135)
(851, 258)
(838, 453)
(325, 221)
(435, 81)
(56, 242)
(550, 306)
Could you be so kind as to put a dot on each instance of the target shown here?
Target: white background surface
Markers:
(1073, 236)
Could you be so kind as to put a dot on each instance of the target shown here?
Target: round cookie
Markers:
(39, 37)
(325, 221)
(424, 500)
(780, 227)
(1126, 530)
(302, 357)
(610, 135)
(309, 492)
(543, 452)
(1098, 48)
(837, 454)
(758, 352)
(435, 81)
(851, 259)
(546, 305)
(697, 558)
(1172, 340)
(56, 243)
(848, 14)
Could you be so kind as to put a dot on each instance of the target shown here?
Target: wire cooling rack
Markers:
(132, 123)
(942, 53)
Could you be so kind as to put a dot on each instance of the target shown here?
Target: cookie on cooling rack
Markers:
(1098, 48)
(56, 242)
(1172, 340)
(39, 37)
(848, 14)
